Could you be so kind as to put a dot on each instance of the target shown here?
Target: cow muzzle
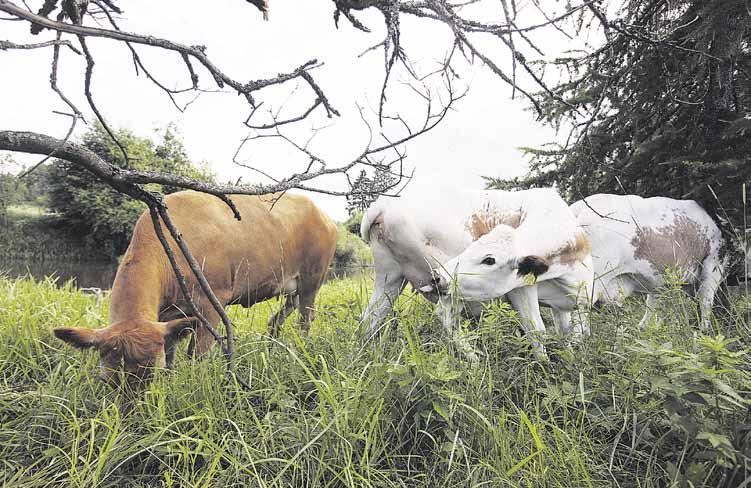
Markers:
(438, 284)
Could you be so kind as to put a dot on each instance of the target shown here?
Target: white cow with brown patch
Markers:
(635, 240)
(533, 235)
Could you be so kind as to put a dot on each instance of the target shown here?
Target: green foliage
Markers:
(351, 251)
(366, 189)
(661, 110)
(694, 390)
(29, 233)
(659, 407)
(94, 210)
(11, 189)
(352, 224)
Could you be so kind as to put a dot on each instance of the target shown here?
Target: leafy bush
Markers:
(103, 216)
(351, 251)
(352, 224)
(11, 189)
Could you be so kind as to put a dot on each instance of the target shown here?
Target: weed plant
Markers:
(660, 407)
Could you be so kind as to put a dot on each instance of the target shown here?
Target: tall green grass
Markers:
(661, 407)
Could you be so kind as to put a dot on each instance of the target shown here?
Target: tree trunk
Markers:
(719, 103)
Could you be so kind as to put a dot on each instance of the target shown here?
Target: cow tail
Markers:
(370, 216)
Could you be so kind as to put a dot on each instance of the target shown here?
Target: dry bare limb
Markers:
(373, 156)
(463, 28)
(187, 53)
(6, 45)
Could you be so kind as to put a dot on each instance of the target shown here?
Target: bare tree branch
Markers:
(53, 78)
(74, 119)
(5, 45)
(446, 13)
(87, 90)
(197, 53)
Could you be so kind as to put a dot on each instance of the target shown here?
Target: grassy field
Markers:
(661, 407)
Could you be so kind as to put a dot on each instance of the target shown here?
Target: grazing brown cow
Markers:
(282, 246)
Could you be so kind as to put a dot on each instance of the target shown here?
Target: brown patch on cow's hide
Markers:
(682, 244)
(572, 252)
(484, 221)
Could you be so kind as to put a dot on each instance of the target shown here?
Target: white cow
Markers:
(634, 240)
(412, 239)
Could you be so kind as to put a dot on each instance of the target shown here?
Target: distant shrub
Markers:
(351, 251)
(352, 224)
(92, 209)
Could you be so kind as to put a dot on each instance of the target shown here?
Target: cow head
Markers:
(491, 266)
(133, 347)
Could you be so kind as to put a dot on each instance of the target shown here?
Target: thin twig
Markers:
(5, 45)
(74, 119)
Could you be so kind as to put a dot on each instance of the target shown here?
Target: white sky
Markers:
(481, 137)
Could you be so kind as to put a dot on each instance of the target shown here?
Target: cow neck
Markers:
(138, 288)
(539, 240)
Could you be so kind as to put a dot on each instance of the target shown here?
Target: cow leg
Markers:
(449, 312)
(711, 277)
(584, 297)
(169, 353)
(204, 341)
(525, 302)
(649, 312)
(570, 300)
(307, 310)
(310, 285)
(193, 341)
(562, 320)
(580, 318)
(389, 283)
(276, 320)
(386, 292)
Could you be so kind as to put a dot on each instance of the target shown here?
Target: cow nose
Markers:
(440, 283)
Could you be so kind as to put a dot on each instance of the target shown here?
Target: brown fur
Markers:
(138, 342)
(484, 221)
(573, 252)
(682, 244)
(282, 240)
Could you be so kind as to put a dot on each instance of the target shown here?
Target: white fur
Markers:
(421, 233)
(612, 222)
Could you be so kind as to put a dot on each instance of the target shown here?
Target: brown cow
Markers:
(282, 246)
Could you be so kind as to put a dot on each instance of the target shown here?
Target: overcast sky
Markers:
(480, 137)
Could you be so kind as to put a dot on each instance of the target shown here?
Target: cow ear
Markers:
(80, 337)
(180, 328)
(534, 265)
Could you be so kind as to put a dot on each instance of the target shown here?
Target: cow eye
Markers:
(489, 260)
